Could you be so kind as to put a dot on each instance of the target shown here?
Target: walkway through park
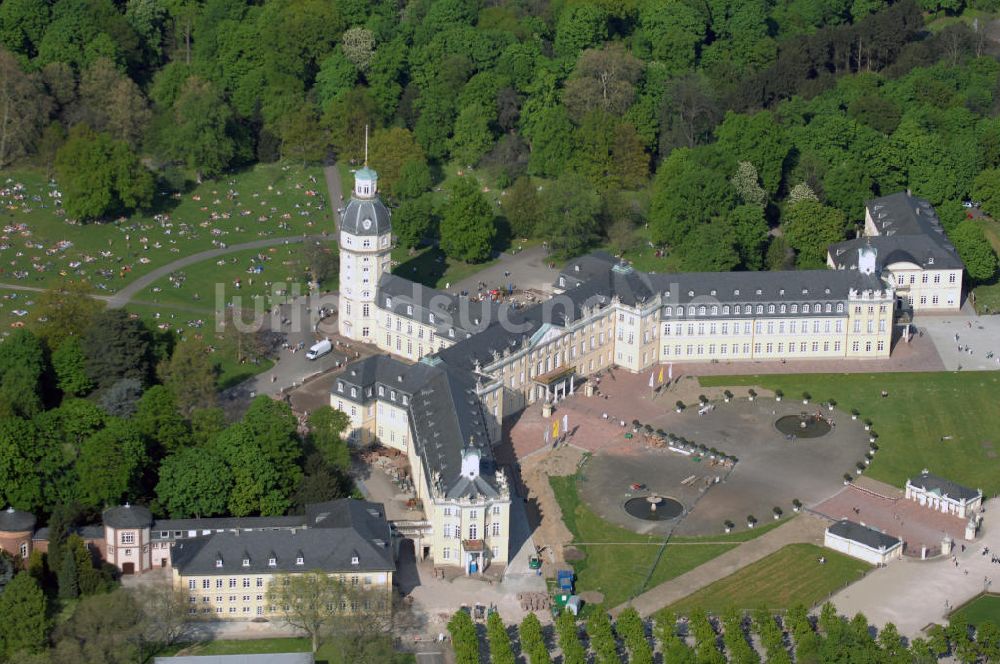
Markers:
(804, 528)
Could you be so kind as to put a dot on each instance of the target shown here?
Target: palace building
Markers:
(464, 365)
(225, 564)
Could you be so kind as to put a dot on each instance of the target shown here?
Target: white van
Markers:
(319, 349)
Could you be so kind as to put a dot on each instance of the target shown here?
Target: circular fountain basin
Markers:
(663, 510)
(803, 425)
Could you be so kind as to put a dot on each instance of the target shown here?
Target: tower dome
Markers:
(365, 214)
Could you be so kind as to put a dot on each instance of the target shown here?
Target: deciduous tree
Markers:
(810, 227)
(195, 483)
(975, 251)
(24, 106)
(467, 224)
(570, 220)
(190, 374)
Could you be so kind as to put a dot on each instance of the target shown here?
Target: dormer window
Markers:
(272, 562)
(246, 562)
(340, 386)
(930, 260)
(451, 332)
(354, 560)
(354, 392)
(430, 318)
(409, 310)
(300, 561)
(218, 561)
(388, 303)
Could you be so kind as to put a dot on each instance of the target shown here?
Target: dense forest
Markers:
(597, 118)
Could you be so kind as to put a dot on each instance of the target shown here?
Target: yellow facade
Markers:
(244, 597)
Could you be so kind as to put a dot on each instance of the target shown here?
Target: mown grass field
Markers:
(618, 561)
(985, 608)
(327, 653)
(269, 200)
(787, 577)
(946, 422)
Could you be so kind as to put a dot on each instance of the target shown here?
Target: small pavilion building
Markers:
(859, 541)
(943, 495)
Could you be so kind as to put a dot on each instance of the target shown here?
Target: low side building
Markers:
(859, 541)
(226, 575)
(943, 495)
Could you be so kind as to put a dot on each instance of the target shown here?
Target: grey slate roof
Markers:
(360, 210)
(227, 523)
(922, 250)
(446, 415)
(272, 658)
(14, 521)
(909, 230)
(367, 374)
(328, 548)
(417, 302)
(127, 516)
(444, 411)
(935, 484)
(863, 534)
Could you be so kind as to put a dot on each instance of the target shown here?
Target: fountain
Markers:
(654, 508)
(803, 425)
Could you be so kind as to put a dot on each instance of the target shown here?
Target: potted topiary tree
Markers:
(859, 467)
(806, 397)
(831, 404)
(778, 394)
(796, 505)
(854, 413)
(777, 512)
(728, 525)
(847, 478)
(868, 424)
(752, 393)
(873, 448)
(751, 521)
(635, 425)
(679, 406)
(872, 437)
(702, 399)
(727, 395)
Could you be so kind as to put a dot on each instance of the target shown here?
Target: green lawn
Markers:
(985, 608)
(327, 653)
(40, 247)
(946, 422)
(258, 273)
(617, 561)
(783, 579)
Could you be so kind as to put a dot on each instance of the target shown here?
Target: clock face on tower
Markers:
(366, 224)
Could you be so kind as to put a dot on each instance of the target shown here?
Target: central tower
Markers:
(365, 244)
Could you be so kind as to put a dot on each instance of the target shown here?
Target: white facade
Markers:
(365, 248)
(871, 555)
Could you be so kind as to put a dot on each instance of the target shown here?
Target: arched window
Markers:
(670, 311)
(701, 310)
(828, 308)
(690, 311)
(770, 308)
(840, 307)
(760, 308)
(805, 308)
(715, 310)
(725, 310)
(782, 309)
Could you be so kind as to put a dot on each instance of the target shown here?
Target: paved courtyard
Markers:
(772, 470)
(883, 507)
(913, 594)
(977, 337)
